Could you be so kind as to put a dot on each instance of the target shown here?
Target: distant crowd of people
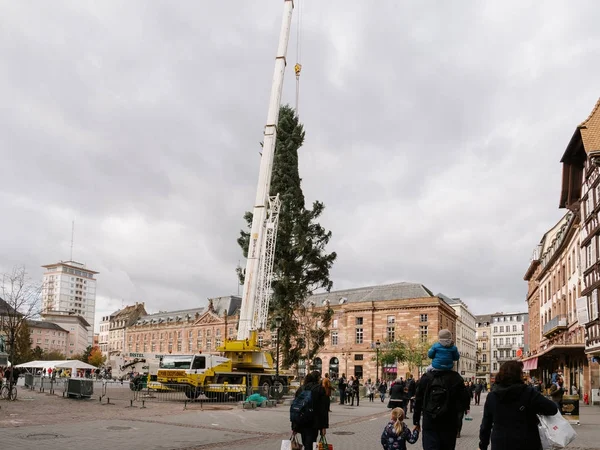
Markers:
(439, 401)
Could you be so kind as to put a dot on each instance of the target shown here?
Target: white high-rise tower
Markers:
(70, 288)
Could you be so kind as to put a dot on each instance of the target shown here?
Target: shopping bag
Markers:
(291, 444)
(322, 444)
(468, 416)
(555, 432)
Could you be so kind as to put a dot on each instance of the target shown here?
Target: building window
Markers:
(170, 347)
(495, 328)
(335, 323)
(495, 341)
(495, 366)
(484, 334)
(230, 331)
(501, 341)
(501, 354)
(217, 343)
(484, 357)
(502, 328)
(153, 347)
(207, 333)
(495, 354)
(334, 338)
(190, 346)
(391, 334)
(423, 318)
(423, 333)
(514, 328)
(359, 335)
(208, 345)
(514, 340)
(484, 345)
(359, 321)
(391, 319)
(190, 334)
(178, 346)
(199, 344)
(358, 357)
(358, 372)
(218, 332)
(514, 353)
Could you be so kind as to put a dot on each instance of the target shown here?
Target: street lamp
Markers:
(278, 321)
(377, 345)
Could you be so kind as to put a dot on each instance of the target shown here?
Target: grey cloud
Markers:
(433, 137)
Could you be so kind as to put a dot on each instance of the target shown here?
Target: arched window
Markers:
(334, 367)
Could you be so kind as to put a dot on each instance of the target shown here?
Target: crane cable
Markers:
(298, 66)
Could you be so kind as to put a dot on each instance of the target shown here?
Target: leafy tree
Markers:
(302, 264)
(416, 353)
(96, 357)
(392, 353)
(23, 352)
(85, 357)
(37, 353)
(19, 302)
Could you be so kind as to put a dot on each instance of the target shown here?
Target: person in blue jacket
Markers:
(443, 353)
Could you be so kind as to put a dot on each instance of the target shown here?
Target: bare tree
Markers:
(20, 300)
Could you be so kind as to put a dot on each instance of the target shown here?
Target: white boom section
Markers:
(249, 313)
(265, 274)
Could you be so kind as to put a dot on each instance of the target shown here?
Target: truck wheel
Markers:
(278, 390)
(192, 393)
(265, 388)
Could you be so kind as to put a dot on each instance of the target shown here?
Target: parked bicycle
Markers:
(8, 392)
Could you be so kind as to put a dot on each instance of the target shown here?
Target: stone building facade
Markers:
(484, 361)
(387, 313)
(118, 323)
(554, 284)
(464, 339)
(185, 331)
(580, 194)
(77, 327)
(48, 336)
(508, 338)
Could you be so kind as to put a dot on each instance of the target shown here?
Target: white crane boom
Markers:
(253, 310)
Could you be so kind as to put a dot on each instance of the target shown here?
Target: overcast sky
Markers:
(434, 132)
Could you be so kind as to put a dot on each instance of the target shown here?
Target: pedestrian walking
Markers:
(396, 433)
(308, 413)
(342, 384)
(382, 390)
(441, 395)
(327, 387)
(396, 394)
(370, 387)
(478, 389)
(510, 412)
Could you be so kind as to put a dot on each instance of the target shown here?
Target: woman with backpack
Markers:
(510, 412)
(309, 413)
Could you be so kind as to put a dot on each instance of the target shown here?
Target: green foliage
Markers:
(53, 355)
(416, 353)
(302, 264)
(37, 354)
(392, 353)
(86, 355)
(23, 351)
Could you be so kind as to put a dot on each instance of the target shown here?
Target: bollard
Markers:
(100, 399)
(185, 405)
(108, 400)
(143, 404)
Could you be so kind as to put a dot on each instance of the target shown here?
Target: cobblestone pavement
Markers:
(58, 423)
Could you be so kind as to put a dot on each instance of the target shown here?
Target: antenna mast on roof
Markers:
(72, 238)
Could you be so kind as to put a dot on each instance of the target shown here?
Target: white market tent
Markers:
(73, 364)
(40, 364)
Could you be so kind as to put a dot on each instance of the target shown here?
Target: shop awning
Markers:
(530, 364)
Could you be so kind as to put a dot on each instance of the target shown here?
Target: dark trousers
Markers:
(477, 397)
(309, 436)
(439, 440)
(371, 396)
(342, 396)
(459, 421)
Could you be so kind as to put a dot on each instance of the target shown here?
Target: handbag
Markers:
(555, 431)
(291, 444)
(322, 444)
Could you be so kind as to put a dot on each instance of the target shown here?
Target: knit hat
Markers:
(445, 334)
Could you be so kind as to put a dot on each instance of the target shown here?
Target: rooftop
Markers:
(5, 308)
(483, 318)
(590, 130)
(395, 291)
(45, 325)
(71, 264)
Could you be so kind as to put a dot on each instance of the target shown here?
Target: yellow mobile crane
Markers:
(245, 366)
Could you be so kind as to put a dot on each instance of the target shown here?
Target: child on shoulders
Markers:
(443, 353)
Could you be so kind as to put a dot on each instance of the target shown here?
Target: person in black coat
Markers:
(342, 385)
(440, 432)
(320, 419)
(397, 395)
(510, 412)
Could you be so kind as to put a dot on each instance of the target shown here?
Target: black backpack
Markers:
(437, 395)
(302, 411)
